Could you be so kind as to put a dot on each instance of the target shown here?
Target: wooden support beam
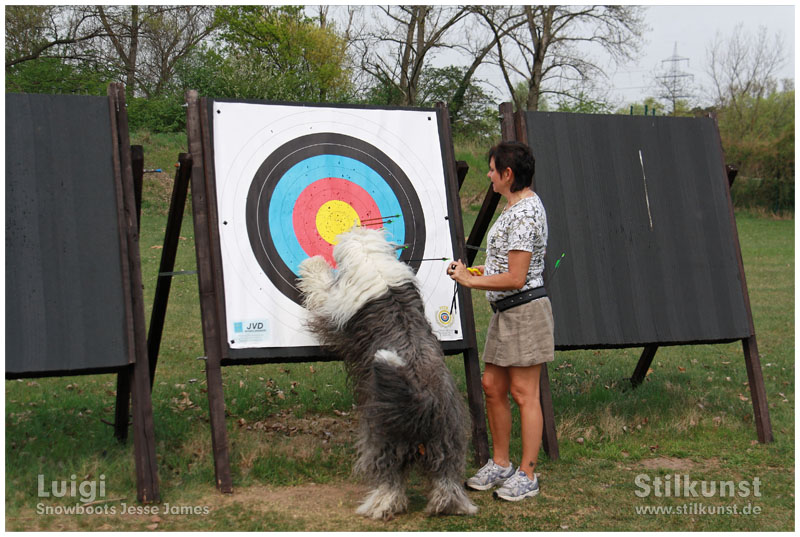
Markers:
(137, 167)
(549, 437)
(169, 252)
(482, 223)
(122, 408)
(208, 300)
(477, 410)
(643, 366)
(462, 168)
(492, 198)
(749, 346)
(143, 436)
(472, 367)
(758, 393)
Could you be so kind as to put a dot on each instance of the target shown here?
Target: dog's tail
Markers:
(397, 400)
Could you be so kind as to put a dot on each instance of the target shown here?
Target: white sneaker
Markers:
(518, 487)
(492, 474)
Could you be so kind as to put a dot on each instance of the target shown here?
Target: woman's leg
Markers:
(524, 385)
(495, 383)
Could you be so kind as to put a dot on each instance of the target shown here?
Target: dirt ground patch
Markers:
(315, 507)
(668, 463)
(677, 464)
(310, 507)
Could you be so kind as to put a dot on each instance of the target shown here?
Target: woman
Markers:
(520, 334)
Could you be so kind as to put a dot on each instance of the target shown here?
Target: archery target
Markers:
(290, 178)
(327, 182)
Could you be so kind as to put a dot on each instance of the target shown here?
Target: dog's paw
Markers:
(315, 282)
(449, 498)
(313, 266)
(384, 503)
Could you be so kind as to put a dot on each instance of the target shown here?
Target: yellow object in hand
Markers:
(473, 270)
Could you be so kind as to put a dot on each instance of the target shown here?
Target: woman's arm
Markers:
(518, 263)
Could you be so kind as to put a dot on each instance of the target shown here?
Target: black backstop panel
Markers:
(639, 206)
(65, 306)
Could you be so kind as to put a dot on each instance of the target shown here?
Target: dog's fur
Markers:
(370, 313)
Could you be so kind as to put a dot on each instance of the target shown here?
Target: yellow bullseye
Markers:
(335, 217)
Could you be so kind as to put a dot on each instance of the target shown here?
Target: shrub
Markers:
(774, 194)
(158, 114)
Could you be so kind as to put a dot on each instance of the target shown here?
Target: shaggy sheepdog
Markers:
(369, 312)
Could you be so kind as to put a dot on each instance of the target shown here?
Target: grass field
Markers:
(291, 426)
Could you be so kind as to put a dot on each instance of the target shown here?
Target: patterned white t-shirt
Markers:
(523, 226)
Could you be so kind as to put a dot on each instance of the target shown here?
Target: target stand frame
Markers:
(91, 187)
(211, 283)
(515, 126)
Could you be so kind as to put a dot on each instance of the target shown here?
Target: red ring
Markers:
(314, 196)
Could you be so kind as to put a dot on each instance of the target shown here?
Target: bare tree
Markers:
(480, 43)
(404, 39)
(34, 32)
(550, 50)
(167, 36)
(145, 42)
(744, 66)
(743, 71)
(122, 25)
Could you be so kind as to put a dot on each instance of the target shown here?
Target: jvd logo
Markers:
(250, 327)
(87, 490)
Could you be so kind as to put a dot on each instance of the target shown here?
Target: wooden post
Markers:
(512, 127)
(208, 300)
(122, 409)
(549, 436)
(472, 368)
(172, 233)
(137, 168)
(143, 437)
(731, 171)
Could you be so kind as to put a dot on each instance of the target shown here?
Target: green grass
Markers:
(291, 427)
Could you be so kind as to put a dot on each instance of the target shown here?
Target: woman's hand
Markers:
(458, 271)
(514, 279)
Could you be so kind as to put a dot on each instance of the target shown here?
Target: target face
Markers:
(328, 183)
(290, 179)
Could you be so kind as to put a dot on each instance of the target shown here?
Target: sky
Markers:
(693, 29)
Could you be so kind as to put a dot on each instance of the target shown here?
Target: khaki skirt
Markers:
(521, 336)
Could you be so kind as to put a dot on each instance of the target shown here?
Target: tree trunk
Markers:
(406, 61)
(541, 41)
(130, 75)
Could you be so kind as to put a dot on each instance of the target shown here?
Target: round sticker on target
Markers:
(444, 317)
